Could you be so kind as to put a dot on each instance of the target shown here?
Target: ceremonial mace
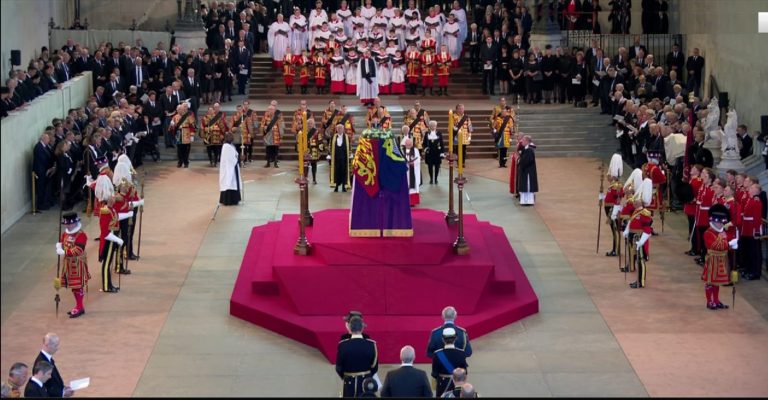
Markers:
(302, 247)
(461, 247)
(309, 220)
(450, 216)
(600, 205)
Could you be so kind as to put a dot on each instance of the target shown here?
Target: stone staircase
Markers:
(557, 131)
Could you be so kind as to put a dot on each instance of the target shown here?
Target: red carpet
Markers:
(399, 284)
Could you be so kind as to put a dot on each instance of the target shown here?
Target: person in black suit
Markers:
(55, 386)
(114, 61)
(636, 47)
(168, 105)
(41, 373)
(63, 70)
(101, 99)
(356, 359)
(406, 381)
(745, 141)
(474, 36)
(192, 89)
(675, 60)
(44, 166)
(6, 104)
(488, 55)
(217, 40)
(242, 57)
(695, 67)
(138, 75)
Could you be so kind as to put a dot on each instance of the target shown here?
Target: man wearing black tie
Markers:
(474, 48)
(695, 65)
(231, 32)
(55, 386)
(243, 57)
(675, 60)
(138, 76)
(101, 100)
(63, 73)
(41, 373)
(192, 89)
(488, 55)
(112, 87)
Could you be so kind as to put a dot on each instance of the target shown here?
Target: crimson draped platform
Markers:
(399, 284)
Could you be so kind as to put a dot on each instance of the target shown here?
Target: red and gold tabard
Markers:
(418, 128)
(657, 176)
(462, 131)
(241, 126)
(716, 260)
(214, 127)
(188, 126)
(297, 124)
(704, 201)
(508, 124)
(289, 70)
(302, 63)
(413, 62)
(614, 194)
(443, 63)
(329, 119)
(349, 127)
(271, 138)
(320, 63)
(108, 222)
(315, 146)
(374, 112)
(427, 65)
(74, 274)
(428, 44)
(690, 207)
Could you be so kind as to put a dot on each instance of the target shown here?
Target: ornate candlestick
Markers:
(302, 247)
(450, 216)
(460, 246)
(309, 220)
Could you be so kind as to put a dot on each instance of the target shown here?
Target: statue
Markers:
(713, 116)
(729, 144)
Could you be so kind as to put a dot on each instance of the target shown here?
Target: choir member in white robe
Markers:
(337, 72)
(367, 83)
(413, 160)
(379, 21)
(461, 18)
(383, 74)
(398, 23)
(299, 32)
(357, 22)
(360, 35)
(351, 61)
(368, 11)
(345, 15)
(230, 180)
(435, 26)
(335, 23)
(451, 39)
(389, 10)
(278, 39)
(412, 13)
(316, 19)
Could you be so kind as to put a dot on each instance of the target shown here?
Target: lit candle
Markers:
(450, 131)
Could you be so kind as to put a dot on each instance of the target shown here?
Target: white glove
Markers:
(734, 243)
(138, 203)
(126, 215)
(601, 196)
(328, 157)
(615, 212)
(59, 249)
(643, 239)
(112, 238)
(88, 181)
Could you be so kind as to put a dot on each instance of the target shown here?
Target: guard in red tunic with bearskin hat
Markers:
(75, 273)
(717, 241)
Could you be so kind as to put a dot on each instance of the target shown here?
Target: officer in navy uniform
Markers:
(436, 338)
(347, 318)
(446, 360)
(357, 358)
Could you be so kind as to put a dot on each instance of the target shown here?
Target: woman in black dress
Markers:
(533, 79)
(219, 72)
(502, 70)
(579, 79)
(433, 151)
(516, 73)
(206, 78)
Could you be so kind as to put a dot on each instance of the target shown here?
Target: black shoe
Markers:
(178, 165)
(712, 306)
(75, 315)
(435, 181)
(635, 285)
(124, 272)
(623, 269)
(336, 189)
(610, 254)
(186, 165)
(691, 253)
(431, 182)
(111, 290)
(132, 257)
(266, 165)
(343, 188)
(722, 306)
(314, 182)
(729, 284)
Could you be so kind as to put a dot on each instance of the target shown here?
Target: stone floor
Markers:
(168, 332)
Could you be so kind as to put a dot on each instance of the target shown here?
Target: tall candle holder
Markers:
(450, 217)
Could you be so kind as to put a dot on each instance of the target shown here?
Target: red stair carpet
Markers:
(399, 284)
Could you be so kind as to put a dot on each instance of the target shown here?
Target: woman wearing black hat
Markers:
(717, 241)
(75, 274)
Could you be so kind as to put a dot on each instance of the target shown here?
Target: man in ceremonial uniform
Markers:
(357, 358)
(18, 376)
(340, 157)
(375, 111)
(750, 255)
(297, 126)
(330, 117)
(214, 127)
(612, 199)
(503, 134)
(303, 62)
(242, 131)
(74, 275)
(717, 241)
(272, 129)
(183, 125)
(427, 62)
(444, 62)
(413, 63)
(638, 231)
(446, 360)
(315, 147)
(320, 62)
(462, 129)
(417, 121)
(436, 337)
(109, 241)
(289, 71)
(652, 170)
